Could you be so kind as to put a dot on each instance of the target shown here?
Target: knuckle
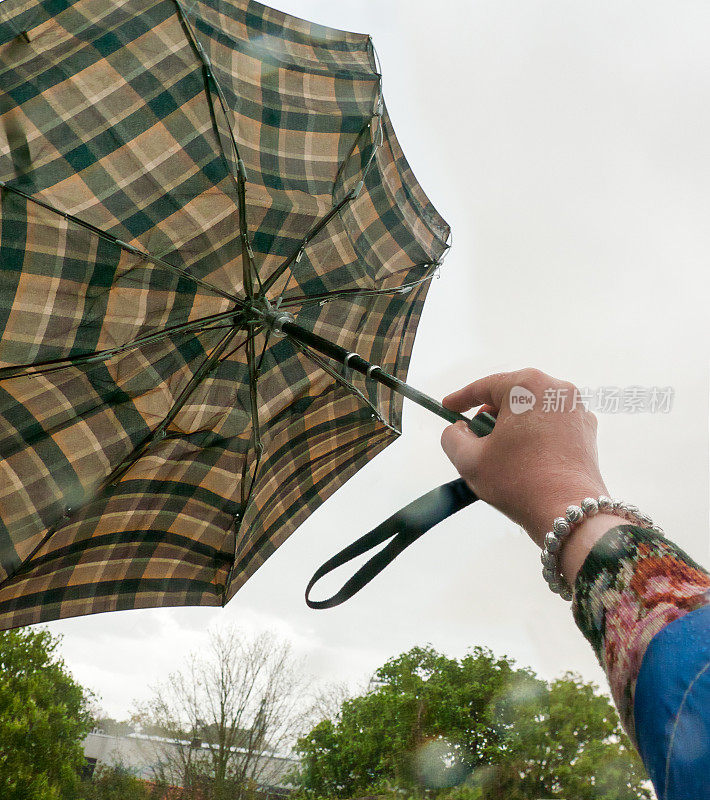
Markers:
(531, 372)
(500, 378)
(451, 444)
(447, 436)
(533, 377)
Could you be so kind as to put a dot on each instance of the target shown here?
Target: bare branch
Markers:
(223, 722)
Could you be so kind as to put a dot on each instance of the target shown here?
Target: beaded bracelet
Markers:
(563, 526)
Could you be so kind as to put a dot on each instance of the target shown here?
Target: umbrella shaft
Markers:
(481, 424)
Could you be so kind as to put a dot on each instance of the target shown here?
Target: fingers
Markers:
(475, 394)
(462, 447)
(533, 460)
(494, 390)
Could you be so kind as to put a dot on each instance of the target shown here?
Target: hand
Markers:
(535, 463)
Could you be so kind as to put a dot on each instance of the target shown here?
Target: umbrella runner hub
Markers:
(277, 319)
(283, 323)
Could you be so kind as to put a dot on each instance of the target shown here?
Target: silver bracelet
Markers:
(574, 515)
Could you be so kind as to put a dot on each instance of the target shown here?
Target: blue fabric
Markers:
(672, 708)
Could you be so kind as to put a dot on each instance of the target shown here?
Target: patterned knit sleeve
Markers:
(631, 585)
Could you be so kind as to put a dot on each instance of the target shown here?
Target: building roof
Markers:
(145, 756)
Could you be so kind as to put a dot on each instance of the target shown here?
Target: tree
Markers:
(328, 702)
(480, 723)
(115, 783)
(223, 714)
(43, 719)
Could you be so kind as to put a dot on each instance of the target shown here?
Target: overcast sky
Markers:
(568, 145)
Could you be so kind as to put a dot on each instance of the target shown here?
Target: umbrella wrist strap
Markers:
(402, 528)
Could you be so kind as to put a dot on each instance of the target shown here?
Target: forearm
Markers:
(632, 584)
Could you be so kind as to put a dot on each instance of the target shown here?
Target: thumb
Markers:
(462, 447)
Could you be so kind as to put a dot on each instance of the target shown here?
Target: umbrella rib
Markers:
(208, 365)
(344, 382)
(296, 255)
(340, 379)
(254, 407)
(248, 262)
(210, 79)
(307, 300)
(158, 433)
(52, 365)
(254, 369)
(136, 251)
(255, 427)
(241, 344)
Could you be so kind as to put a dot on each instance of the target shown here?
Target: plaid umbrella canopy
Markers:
(193, 194)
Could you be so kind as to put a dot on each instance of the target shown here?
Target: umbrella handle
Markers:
(282, 322)
(402, 528)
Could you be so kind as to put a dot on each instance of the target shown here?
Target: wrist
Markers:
(567, 545)
(556, 503)
(576, 547)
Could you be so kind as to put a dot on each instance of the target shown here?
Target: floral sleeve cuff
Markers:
(631, 585)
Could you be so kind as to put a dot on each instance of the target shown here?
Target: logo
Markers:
(521, 400)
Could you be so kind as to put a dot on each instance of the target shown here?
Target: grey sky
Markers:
(568, 145)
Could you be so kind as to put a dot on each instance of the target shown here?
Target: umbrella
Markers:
(213, 260)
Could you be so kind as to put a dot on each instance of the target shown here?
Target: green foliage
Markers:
(115, 783)
(43, 719)
(476, 728)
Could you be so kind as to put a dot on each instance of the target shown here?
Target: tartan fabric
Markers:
(109, 114)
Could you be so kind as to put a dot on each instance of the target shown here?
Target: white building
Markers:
(147, 756)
